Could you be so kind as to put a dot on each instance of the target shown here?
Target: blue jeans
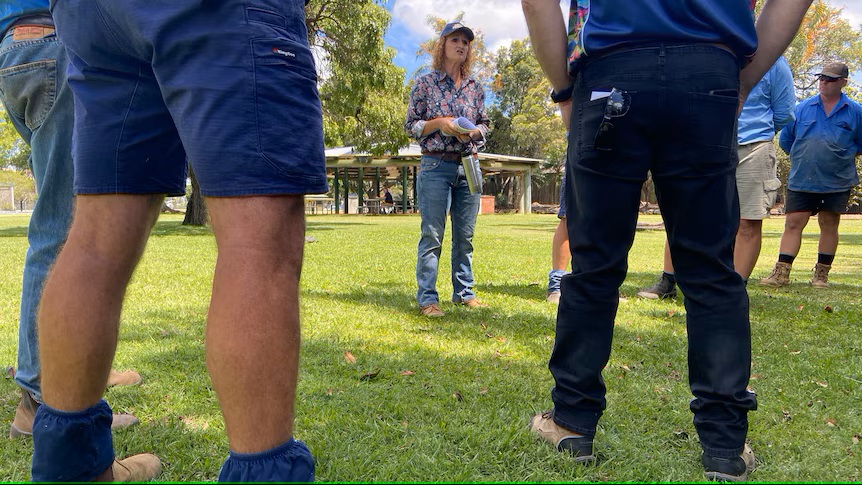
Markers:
(678, 121)
(442, 188)
(40, 105)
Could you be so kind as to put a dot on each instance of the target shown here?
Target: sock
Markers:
(785, 258)
(824, 258)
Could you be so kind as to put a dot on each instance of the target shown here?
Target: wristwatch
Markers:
(563, 95)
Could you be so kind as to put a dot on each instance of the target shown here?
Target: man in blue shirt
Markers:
(657, 87)
(38, 102)
(822, 144)
(767, 110)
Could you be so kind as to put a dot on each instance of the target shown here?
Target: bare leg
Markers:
(749, 240)
(791, 238)
(80, 311)
(560, 253)
(828, 232)
(253, 323)
(668, 262)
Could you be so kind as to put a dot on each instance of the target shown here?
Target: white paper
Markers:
(599, 95)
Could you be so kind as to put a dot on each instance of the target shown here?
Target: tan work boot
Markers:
(780, 275)
(125, 378)
(136, 468)
(821, 275)
(473, 303)
(578, 445)
(22, 424)
(432, 310)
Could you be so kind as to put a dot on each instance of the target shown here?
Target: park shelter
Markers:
(345, 163)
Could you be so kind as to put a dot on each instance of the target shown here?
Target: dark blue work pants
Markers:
(678, 123)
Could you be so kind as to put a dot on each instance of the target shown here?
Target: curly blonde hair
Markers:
(438, 56)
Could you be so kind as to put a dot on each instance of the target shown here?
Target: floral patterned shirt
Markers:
(433, 96)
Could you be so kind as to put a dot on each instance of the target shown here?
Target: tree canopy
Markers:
(361, 89)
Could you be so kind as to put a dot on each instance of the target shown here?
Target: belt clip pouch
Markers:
(472, 171)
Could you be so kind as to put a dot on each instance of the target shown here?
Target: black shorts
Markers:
(815, 202)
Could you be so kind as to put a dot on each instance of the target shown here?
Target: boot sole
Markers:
(724, 477)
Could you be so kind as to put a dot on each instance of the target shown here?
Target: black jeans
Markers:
(679, 123)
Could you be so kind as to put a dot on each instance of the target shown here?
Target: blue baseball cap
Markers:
(453, 27)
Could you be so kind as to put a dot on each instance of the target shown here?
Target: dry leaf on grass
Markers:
(349, 357)
(407, 373)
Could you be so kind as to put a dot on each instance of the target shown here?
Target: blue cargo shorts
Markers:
(229, 85)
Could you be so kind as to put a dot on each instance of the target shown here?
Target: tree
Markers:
(824, 36)
(362, 91)
(526, 122)
(14, 151)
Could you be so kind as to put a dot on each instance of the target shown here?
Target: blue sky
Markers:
(501, 21)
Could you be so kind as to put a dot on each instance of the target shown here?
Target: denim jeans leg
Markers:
(465, 208)
(434, 194)
(40, 88)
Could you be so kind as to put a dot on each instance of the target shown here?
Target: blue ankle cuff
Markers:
(72, 447)
(288, 462)
(554, 277)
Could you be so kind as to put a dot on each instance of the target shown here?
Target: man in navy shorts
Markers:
(231, 86)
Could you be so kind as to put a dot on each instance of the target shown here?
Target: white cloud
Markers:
(497, 19)
(851, 10)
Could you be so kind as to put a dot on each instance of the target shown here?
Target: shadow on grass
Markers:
(18, 231)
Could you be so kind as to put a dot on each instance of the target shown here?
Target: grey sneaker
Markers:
(578, 445)
(780, 275)
(729, 469)
(821, 275)
(554, 297)
(664, 288)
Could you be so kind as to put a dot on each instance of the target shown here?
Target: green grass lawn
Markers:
(450, 398)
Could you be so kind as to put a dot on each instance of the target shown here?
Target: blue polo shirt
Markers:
(601, 25)
(769, 106)
(10, 10)
(823, 147)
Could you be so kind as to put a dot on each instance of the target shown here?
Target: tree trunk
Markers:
(196, 210)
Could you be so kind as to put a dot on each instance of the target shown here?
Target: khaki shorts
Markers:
(756, 180)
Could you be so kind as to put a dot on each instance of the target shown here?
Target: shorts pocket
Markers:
(289, 115)
(770, 191)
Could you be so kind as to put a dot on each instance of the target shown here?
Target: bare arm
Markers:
(548, 36)
(776, 26)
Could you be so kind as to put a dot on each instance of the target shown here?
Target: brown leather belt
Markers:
(445, 156)
(27, 32)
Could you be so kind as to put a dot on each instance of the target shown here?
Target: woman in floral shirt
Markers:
(437, 99)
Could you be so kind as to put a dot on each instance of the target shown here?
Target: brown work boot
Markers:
(125, 378)
(136, 468)
(578, 445)
(821, 275)
(473, 303)
(22, 424)
(432, 310)
(780, 275)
